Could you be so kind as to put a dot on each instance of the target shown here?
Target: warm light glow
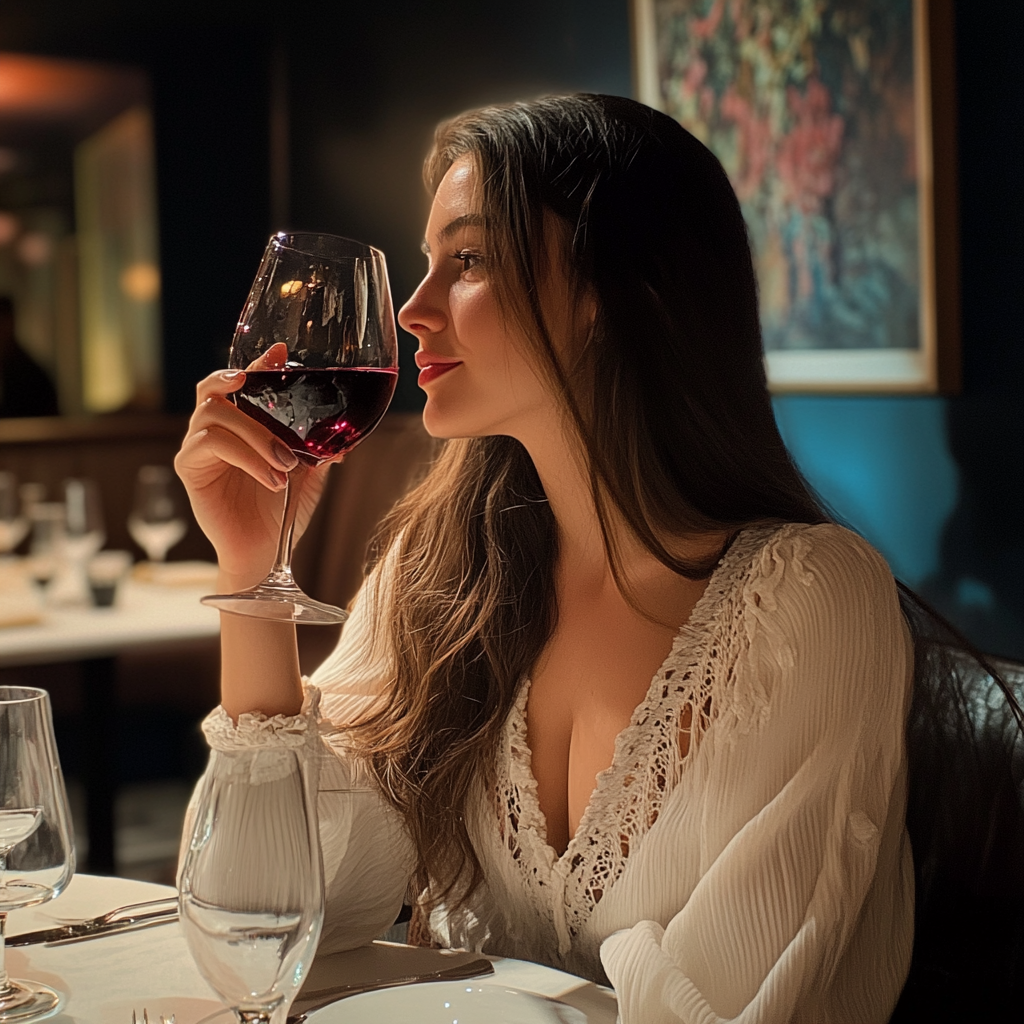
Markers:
(43, 88)
(291, 288)
(141, 282)
(9, 228)
(35, 249)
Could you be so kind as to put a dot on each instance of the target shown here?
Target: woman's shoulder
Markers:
(822, 556)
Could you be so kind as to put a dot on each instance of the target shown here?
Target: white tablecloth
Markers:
(105, 979)
(145, 614)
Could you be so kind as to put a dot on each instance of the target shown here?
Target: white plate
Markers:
(447, 1002)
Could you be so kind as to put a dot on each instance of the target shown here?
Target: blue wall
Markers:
(883, 466)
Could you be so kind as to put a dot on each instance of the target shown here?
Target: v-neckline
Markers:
(687, 636)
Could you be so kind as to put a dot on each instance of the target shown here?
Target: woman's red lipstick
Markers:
(432, 367)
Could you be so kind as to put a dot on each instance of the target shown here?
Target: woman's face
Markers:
(478, 372)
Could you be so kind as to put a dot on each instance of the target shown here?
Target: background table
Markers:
(147, 615)
(105, 979)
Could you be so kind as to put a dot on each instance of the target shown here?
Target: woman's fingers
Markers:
(221, 383)
(273, 359)
(214, 445)
(216, 411)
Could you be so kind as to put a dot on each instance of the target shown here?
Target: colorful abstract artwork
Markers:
(815, 109)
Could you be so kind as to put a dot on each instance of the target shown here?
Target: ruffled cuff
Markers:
(256, 731)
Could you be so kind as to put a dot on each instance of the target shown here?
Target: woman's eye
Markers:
(469, 258)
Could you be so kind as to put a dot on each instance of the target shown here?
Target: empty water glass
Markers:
(251, 888)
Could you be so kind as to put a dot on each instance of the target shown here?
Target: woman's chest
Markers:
(585, 688)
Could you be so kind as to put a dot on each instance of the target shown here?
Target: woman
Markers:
(616, 695)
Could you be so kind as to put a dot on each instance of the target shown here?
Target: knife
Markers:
(463, 972)
(89, 930)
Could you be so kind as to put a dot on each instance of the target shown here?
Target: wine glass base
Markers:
(279, 605)
(24, 1001)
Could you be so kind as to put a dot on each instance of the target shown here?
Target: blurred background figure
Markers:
(25, 387)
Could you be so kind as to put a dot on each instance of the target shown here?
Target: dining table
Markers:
(162, 612)
(107, 979)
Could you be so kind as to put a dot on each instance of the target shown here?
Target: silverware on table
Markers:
(474, 969)
(145, 1018)
(135, 915)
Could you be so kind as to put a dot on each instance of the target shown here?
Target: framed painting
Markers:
(835, 120)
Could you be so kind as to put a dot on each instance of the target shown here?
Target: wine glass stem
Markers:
(3, 965)
(282, 570)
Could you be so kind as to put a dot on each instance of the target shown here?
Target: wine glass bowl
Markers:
(318, 346)
(156, 523)
(37, 858)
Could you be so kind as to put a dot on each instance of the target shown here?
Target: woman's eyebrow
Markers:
(467, 220)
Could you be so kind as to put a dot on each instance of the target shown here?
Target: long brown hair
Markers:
(668, 394)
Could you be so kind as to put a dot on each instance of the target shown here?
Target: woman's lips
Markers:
(434, 370)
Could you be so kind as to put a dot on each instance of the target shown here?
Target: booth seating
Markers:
(965, 817)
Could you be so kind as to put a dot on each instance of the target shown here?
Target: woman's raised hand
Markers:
(235, 469)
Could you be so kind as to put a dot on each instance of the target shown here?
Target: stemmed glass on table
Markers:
(327, 300)
(13, 523)
(37, 858)
(251, 892)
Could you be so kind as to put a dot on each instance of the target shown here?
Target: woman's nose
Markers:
(422, 314)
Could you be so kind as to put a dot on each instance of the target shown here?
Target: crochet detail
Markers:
(697, 677)
(256, 730)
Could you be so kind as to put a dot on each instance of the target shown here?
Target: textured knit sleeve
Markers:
(802, 843)
(367, 855)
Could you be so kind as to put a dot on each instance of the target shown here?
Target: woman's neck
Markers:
(566, 481)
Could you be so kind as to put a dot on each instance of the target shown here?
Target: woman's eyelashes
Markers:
(471, 259)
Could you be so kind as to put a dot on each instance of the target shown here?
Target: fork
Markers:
(145, 1017)
(110, 915)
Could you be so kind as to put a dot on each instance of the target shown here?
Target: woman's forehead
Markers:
(458, 195)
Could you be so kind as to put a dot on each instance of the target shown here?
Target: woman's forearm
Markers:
(259, 667)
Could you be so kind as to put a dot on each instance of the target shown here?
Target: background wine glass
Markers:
(47, 518)
(251, 889)
(156, 523)
(327, 301)
(13, 523)
(84, 534)
(37, 858)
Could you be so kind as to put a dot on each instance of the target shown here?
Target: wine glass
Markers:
(251, 891)
(47, 518)
(37, 857)
(84, 535)
(13, 523)
(155, 523)
(327, 299)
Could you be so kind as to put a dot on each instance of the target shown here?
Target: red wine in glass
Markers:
(318, 413)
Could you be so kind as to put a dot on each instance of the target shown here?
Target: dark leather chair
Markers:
(966, 823)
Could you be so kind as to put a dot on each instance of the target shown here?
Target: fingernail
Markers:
(284, 456)
(231, 374)
(277, 478)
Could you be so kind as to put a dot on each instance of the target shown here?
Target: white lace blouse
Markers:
(763, 876)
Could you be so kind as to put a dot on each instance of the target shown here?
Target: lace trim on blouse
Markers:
(647, 762)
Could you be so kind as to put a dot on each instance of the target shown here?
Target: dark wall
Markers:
(937, 484)
(207, 64)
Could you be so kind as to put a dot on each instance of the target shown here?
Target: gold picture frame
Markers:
(837, 124)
